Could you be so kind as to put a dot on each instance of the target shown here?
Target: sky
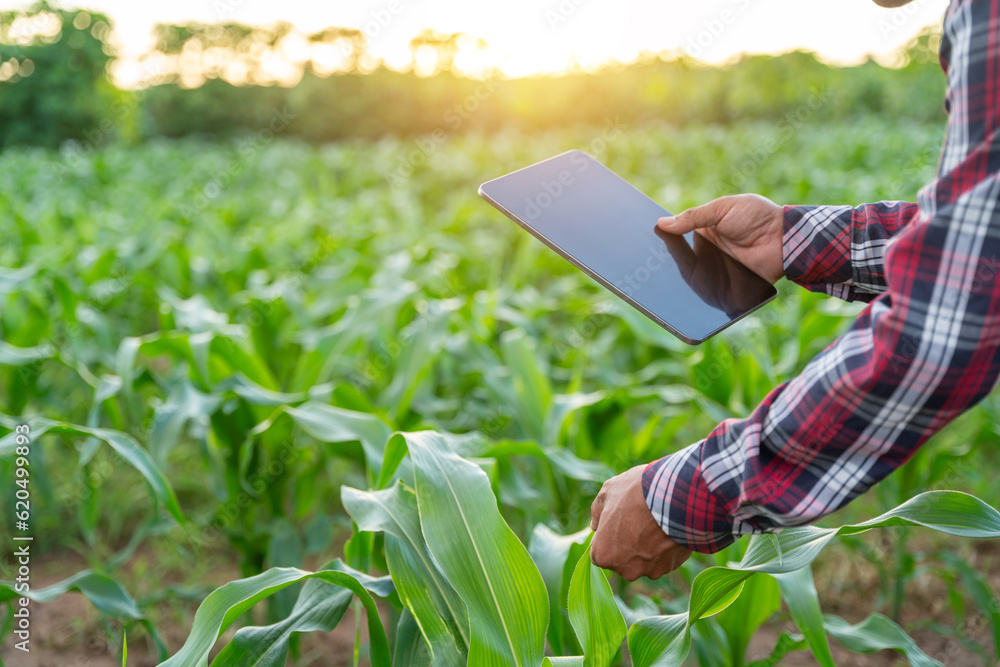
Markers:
(527, 37)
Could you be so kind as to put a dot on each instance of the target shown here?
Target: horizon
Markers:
(565, 35)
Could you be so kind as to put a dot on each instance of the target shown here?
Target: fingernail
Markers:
(667, 221)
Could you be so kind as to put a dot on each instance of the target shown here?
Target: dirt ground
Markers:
(69, 631)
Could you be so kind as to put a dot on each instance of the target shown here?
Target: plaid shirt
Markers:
(923, 351)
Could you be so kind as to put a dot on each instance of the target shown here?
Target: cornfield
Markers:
(388, 409)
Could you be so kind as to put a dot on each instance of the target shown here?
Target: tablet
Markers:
(606, 227)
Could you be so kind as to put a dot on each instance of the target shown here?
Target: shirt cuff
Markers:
(681, 502)
(816, 249)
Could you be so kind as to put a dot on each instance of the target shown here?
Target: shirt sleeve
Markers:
(840, 250)
(922, 352)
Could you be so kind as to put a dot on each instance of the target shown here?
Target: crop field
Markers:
(277, 403)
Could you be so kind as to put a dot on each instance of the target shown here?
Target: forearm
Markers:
(840, 250)
(905, 369)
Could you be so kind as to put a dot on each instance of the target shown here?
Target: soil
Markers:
(69, 632)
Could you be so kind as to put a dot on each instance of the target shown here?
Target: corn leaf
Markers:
(437, 609)
(594, 614)
(479, 554)
(665, 640)
(124, 444)
(226, 604)
(799, 593)
(877, 633)
(319, 607)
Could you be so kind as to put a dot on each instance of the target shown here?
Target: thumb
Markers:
(706, 215)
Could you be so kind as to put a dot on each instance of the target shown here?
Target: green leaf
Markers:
(641, 607)
(740, 620)
(595, 617)
(184, 406)
(122, 443)
(437, 609)
(480, 555)
(284, 549)
(786, 644)
(714, 589)
(551, 553)
(569, 661)
(327, 423)
(395, 452)
(659, 641)
(12, 280)
(107, 595)
(877, 633)
(410, 651)
(563, 406)
(561, 459)
(532, 391)
(226, 604)
(318, 608)
(420, 349)
(799, 593)
(255, 394)
(444, 640)
(11, 355)
(978, 586)
(664, 640)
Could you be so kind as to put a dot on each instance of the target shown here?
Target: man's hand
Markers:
(748, 227)
(627, 539)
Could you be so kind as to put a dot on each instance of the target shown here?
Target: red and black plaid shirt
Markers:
(923, 351)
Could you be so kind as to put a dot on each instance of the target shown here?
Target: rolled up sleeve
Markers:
(924, 350)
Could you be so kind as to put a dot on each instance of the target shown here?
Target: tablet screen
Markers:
(605, 226)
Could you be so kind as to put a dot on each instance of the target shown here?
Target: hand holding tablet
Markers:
(608, 228)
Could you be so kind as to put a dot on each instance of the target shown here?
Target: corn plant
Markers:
(478, 596)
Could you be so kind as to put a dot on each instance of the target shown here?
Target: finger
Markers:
(596, 508)
(595, 547)
(706, 215)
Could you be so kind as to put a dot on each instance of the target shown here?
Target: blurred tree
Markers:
(53, 78)
(215, 81)
(351, 40)
(442, 46)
